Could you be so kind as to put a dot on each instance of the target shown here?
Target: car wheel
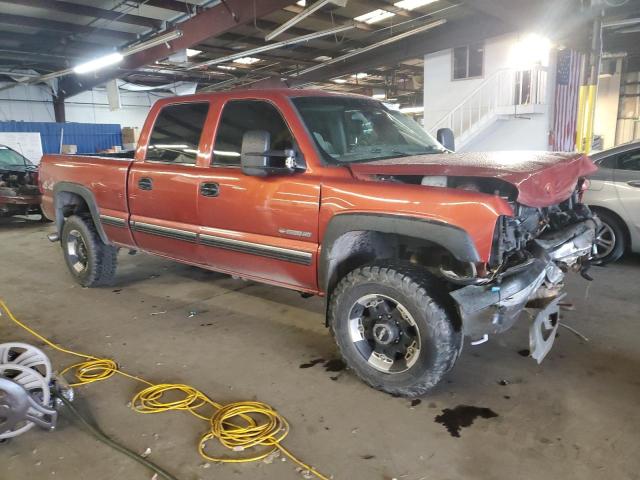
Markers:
(395, 328)
(91, 262)
(610, 239)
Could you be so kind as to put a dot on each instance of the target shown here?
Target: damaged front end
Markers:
(532, 253)
(19, 192)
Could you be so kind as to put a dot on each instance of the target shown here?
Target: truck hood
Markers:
(541, 178)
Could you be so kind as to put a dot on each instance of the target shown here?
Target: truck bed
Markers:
(104, 177)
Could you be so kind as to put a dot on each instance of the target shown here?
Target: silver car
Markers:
(614, 194)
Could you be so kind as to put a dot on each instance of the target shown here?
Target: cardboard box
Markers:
(130, 135)
(69, 149)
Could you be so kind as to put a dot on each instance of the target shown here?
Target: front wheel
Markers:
(91, 262)
(395, 328)
(610, 239)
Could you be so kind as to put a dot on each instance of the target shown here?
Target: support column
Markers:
(58, 107)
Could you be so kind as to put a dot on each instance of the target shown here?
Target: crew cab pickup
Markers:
(413, 246)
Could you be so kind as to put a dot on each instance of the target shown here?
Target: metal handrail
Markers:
(503, 88)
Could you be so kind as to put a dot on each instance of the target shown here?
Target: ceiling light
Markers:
(360, 75)
(339, 80)
(246, 60)
(374, 16)
(411, 4)
(153, 42)
(373, 46)
(301, 3)
(530, 50)
(191, 52)
(310, 10)
(226, 67)
(98, 63)
(274, 46)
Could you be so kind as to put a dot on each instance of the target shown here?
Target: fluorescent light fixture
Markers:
(225, 153)
(98, 63)
(302, 15)
(153, 42)
(412, 110)
(412, 4)
(274, 46)
(339, 80)
(227, 67)
(169, 145)
(191, 52)
(373, 46)
(374, 16)
(246, 60)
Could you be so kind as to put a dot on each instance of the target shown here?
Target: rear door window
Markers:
(241, 116)
(176, 133)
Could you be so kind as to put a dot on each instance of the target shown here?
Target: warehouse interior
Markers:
(260, 237)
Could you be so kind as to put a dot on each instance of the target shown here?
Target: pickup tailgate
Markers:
(105, 178)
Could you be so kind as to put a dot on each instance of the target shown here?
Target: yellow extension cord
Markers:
(238, 438)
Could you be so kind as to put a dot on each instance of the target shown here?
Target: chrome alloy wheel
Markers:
(384, 333)
(605, 241)
(77, 251)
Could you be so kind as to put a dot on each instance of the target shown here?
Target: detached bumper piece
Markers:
(495, 307)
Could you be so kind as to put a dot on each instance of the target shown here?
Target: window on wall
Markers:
(468, 61)
(176, 133)
(240, 116)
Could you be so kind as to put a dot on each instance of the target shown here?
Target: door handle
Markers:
(634, 183)
(209, 189)
(145, 183)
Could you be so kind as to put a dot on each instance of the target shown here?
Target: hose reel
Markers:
(26, 387)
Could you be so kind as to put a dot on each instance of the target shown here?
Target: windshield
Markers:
(348, 129)
(11, 159)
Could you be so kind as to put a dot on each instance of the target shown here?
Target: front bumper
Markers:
(494, 307)
(19, 205)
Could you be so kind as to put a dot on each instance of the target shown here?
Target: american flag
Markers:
(566, 102)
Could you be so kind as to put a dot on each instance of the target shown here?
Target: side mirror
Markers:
(446, 139)
(257, 158)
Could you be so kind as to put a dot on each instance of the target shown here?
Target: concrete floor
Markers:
(573, 417)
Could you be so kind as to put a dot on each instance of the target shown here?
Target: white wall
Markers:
(607, 102)
(442, 94)
(33, 103)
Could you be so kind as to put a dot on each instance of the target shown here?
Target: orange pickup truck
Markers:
(413, 246)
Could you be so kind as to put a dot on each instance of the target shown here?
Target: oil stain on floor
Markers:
(454, 419)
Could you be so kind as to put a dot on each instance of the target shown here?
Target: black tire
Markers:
(433, 313)
(613, 230)
(91, 262)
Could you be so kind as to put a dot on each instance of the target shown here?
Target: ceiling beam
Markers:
(175, 5)
(63, 27)
(208, 23)
(330, 18)
(89, 11)
(389, 7)
(457, 33)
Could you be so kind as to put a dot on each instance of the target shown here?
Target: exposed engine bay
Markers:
(16, 183)
(532, 251)
(19, 192)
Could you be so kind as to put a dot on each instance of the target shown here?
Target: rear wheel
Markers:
(610, 239)
(91, 262)
(395, 328)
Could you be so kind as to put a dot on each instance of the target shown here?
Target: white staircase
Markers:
(505, 93)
